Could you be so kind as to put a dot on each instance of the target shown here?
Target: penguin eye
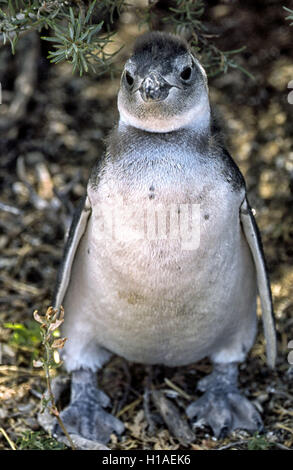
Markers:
(186, 73)
(129, 78)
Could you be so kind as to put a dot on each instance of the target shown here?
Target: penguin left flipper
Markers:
(77, 229)
(252, 235)
(222, 406)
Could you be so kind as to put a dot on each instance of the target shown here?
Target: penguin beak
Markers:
(154, 88)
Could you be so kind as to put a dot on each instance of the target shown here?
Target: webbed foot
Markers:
(222, 406)
(85, 415)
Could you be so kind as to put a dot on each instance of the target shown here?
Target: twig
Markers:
(12, 210)
(282, 426)
(54, 409)
(52, 320)
(35, 393)
(128, 407)
(177, 389)
(176, 424)
(281, 446)
(232, 444)
(25, 82)
(11, 370)
(12, 445)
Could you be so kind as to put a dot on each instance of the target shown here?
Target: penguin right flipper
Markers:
(84, 417)
(77, 229)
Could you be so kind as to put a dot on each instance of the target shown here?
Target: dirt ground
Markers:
(45, 159)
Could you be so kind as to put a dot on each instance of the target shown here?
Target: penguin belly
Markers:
(154, 302)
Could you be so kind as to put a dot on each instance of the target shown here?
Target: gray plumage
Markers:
(155, 299)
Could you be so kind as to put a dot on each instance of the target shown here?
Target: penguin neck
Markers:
(197, 120)
(127, 141)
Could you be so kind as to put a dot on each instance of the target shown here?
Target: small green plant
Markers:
(49, 323)
(38, 440)
(26, 337)
(258, 442)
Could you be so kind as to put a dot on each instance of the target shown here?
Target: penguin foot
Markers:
(224, 412)
(222, 406)
(85, 415)
(88, 419)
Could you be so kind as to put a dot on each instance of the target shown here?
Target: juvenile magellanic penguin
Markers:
(163, 260)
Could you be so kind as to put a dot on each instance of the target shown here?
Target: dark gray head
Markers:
(163, 86)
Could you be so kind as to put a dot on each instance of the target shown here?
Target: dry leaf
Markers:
(38, 317)
(58, 343)
(55, 325)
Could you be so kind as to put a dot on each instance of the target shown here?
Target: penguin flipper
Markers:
(77, 229)
(252, 235)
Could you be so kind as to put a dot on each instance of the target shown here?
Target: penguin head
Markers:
(163, 86)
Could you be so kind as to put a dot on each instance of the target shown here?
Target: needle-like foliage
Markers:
(80, 30)
(289, 17)
(74, 35)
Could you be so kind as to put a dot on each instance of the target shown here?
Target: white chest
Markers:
(162, 245)
(162, 217)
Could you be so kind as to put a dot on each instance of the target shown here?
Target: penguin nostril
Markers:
(129, 78)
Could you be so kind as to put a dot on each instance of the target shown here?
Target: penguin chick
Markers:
(136, 280)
